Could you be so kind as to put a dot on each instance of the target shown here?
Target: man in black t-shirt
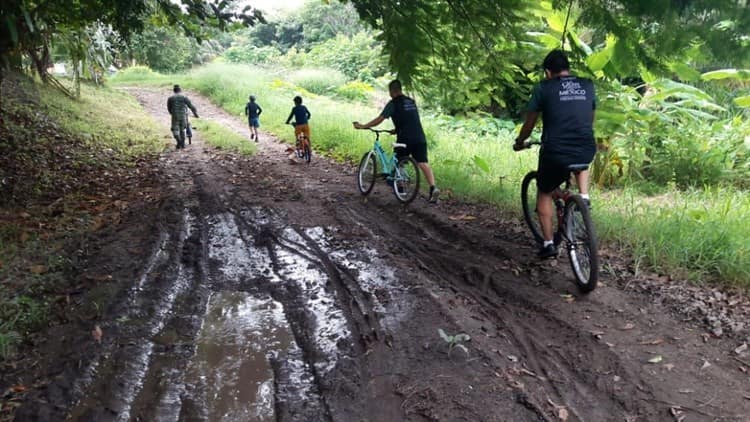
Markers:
(402, 110)
(567, 104)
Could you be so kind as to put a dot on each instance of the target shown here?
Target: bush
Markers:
(356, 91)
(358, 57)
(250, 54)
(318, 81)
(136, 74)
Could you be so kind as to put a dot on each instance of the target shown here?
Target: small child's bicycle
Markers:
(574, 226)
(401, 173)
(302, 147)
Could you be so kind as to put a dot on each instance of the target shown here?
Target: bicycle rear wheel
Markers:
(582, 244)
(366, 173)
(528, 202)
(406, 180)
(306, 152)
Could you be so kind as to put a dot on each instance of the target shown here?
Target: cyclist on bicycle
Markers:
(403, 111)
(177, 106)
(567, 104)
(301, 115)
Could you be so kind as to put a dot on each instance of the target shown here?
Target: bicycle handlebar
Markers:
(526, 145)
(390, 132)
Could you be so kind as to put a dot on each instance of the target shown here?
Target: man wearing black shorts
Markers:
(567, 104)
(403, 111)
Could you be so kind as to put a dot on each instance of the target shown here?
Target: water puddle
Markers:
(232, 367)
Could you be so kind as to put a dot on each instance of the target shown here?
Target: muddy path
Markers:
(273, 291)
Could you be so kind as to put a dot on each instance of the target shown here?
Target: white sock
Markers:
(585, 195)
(548, 243)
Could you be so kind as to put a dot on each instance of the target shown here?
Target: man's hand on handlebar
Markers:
(519, 145)
(358, 125)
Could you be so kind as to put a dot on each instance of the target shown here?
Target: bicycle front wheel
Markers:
(528, 202)
(406, 180)
(582, 244)
(366, 173)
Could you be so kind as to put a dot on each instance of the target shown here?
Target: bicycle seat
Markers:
(578, 167)
(397, 145)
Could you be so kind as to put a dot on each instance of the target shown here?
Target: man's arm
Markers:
(289, 119)
(247, 109)
(169, 105)
(372, 123)
(260, 110)
(528, 127)
(191, 107)
(307, 112)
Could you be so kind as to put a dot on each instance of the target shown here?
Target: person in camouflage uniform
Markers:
(177, 106)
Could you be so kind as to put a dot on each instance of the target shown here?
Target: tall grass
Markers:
(106, 118)
(700, 234)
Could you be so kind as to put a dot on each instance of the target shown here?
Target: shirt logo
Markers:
(572, 91)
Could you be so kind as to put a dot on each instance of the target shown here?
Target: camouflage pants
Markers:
(178, 130)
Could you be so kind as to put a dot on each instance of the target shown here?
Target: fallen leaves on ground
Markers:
(656, 359)
(38, 269)
(462, 217)
(97, 334)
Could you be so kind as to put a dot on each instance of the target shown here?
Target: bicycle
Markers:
(302, 146)
(401, 173)
(574, 226)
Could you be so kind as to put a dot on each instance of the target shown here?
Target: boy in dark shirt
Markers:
(301, 116)
(252, 111)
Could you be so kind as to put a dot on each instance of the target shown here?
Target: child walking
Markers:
(252, 111)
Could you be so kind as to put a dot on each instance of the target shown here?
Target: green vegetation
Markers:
(106, 118)
(223, 138)
(698, 232)
(60, 158)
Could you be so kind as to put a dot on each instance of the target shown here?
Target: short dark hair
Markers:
(395, 86)
(176, 88)
(556, 61)
(297, 100)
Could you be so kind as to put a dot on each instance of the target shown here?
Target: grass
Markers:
(700, 234)
(56, 141)
(106, 118)
(223, 138)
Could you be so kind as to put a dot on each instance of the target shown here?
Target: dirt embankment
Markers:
(265, 290)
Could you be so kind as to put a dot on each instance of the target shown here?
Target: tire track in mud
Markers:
(539, 338)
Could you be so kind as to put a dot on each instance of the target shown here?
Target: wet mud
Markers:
(272, 291)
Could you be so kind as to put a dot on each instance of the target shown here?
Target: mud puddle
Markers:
(239, 338)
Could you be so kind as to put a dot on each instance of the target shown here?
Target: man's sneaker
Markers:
(548, 251)
(587, 201)
(434, 194)
(252, 136)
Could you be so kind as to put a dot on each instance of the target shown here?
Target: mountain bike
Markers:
(573, 225)
(302, 146)
(401, 173)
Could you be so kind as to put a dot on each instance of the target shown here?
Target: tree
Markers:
(479, 52)
(28, 26)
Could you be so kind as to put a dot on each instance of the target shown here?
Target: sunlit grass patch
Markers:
(223, 138)
(106, 118)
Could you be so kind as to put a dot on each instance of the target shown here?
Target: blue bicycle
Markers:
(401, 173)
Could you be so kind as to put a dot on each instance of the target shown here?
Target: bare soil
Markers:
(364, 285)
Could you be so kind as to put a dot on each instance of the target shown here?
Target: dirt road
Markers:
(264, 290)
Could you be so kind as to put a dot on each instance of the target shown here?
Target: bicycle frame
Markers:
(387, 162)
